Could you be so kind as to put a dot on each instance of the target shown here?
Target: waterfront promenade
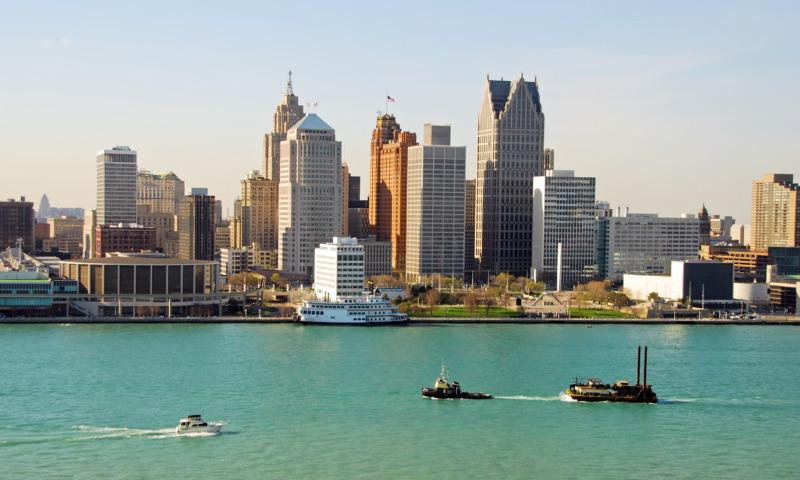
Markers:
(768, 320)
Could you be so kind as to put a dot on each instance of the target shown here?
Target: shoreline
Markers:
(777, 320)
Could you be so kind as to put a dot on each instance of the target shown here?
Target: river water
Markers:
(101, 401)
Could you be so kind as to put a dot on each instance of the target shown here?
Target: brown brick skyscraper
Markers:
(387, 185)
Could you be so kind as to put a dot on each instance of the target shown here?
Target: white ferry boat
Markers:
(364, 310)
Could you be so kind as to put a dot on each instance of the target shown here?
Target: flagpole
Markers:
(386, 103)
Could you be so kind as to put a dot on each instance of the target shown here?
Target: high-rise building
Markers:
(339, 269)
(776, 212)
(259, 210)
(642, 243)
(309, 212)
(354, 188)
(287, 113)
(162, 222)
(388, 183)
(89, 233)
(510, 154)
(345, 200)
(563, 229)
(116, 186)
(435, 208)
(469, 227)
(66, 235)
(358, 222)
(196, 227)
(17, 219)
(705, 226)
(721, 227)
(549, 159)
(161, 192)
(44, 208)
(377, 256)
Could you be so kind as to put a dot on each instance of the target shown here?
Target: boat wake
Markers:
(566, 398)
(102, 433)
(525, 397)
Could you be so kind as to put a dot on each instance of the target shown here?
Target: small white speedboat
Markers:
(196, 424)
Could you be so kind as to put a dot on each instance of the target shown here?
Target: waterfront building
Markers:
(259, 214)
(116, 186)
(161, 192)
(388, 184)
(510, 153)
(643, 243)
(235, 260)
(697, 281)
(17, 219)
(287, 113)
(339, 269)
(377, 256)
(33, 292)
(145, 286)
(775, 212)
(123, 238)
(563, 253)
(435, 206)
(469, 227)
(310, 212)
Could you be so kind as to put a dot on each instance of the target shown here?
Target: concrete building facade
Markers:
(564, 207)
(642, 243)
(116, 186)
(775, 212)
(339, 269)
(510, 153)
(309, 212)
(435, 206)
(259, 210)
(161, 192)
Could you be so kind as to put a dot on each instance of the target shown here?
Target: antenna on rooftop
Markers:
(289, 90)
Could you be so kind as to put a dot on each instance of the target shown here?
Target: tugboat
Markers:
(594, 390)
(196, 424)
(443, 389)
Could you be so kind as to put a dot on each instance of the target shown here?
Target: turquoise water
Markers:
(303, 402)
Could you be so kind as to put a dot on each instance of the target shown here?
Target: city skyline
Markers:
(627, 101)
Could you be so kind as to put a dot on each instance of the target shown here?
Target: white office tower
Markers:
(339, 269)
(435, 206)
(116, 186)
(563, 213)
(309, 193)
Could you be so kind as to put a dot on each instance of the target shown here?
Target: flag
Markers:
(389, 99)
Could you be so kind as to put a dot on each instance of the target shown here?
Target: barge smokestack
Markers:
(638, 363)
(645, 365)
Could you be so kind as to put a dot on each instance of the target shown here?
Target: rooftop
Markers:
(138, 261)
(311, 122)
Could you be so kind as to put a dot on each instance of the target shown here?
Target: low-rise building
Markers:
(339, 269)
(698, 281)
(123, 238)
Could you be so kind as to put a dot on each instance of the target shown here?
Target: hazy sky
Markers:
(668, 104)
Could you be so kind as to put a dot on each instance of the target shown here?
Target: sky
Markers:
(668, 104)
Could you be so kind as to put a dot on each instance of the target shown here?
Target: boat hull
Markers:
(211, 428)
(643, 398)
(431, 393)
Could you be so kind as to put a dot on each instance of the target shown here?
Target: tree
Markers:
(533, 288)
(471, 300)
(432, 296)
(276, 279)
(619, 300)
(654, 297)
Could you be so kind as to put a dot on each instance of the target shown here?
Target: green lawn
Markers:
(459, 311)
(597, 313)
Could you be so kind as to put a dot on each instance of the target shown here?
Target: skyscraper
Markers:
(310, 210)
(161, 192)
(705, 226)
(196, 227)
(510, 154)
(17, 219)
(259, 205)
(563, 220)
(435, 232)
(387, 185)
(469, 226)
(345, 199)
(776, 212)
(116, 186)
(287, 113)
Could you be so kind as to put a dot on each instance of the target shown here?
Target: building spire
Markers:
(289, 90)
